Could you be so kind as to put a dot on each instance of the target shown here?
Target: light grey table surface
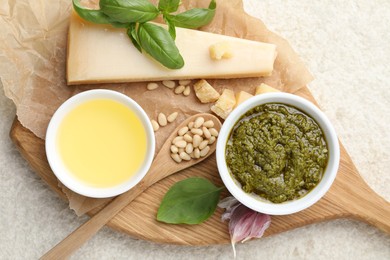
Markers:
(346, 45)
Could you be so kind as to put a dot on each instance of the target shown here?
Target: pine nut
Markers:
(197, 153)
(181, 144)
(162, 119)
(198, 122)
(187, 138)
(174, 149)
(196, 140)
(212, 139)
(185, 156)
(180, 89)
(172, 117)
(197, 131)
(213, 132)
(152, 86)
(182, 131)
(189, 142)
(189, 148)
(203, 144)
(206, 132)
(184, 82)
(169, 83)
(155, 125)
(208, 124)
(204, 151)
(187, 91)
(176, 157)
(177, 138)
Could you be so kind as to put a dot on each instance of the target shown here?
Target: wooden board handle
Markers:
(369, 207)
(352, 194)
(377, 214)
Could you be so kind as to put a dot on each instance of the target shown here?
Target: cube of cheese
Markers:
(224, 104)
(264, 88)
(241, 97)
(205, 92)
(221, 50)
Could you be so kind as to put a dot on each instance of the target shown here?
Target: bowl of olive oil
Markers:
(100, 143)
(277, 153)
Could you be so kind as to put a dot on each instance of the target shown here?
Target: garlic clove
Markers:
(244, 223)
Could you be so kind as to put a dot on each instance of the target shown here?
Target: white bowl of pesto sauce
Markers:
(277, 153)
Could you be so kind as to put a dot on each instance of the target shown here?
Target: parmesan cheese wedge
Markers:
(241, 97)
(103, 54)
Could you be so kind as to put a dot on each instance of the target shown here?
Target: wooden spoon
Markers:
(162, 166)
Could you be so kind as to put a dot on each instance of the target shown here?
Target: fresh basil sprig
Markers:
(194, 18)
(134, 15)
(129, 11)
(132, 33)
(168, 6)
(171, 27)
(190, 201)
(94, 16)
(157, 42)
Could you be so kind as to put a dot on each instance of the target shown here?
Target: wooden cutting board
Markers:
(349, 197)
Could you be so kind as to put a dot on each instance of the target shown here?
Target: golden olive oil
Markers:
(102, 142)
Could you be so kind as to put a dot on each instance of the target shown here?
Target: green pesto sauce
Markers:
(277, 152)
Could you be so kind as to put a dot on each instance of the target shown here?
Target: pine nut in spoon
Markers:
(162, 166)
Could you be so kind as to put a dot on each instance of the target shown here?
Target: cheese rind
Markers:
(264, 88)
(103, 54)
(224, 104)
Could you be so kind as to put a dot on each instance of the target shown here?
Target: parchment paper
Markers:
(33, 56)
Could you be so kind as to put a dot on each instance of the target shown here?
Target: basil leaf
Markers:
(171, 26)
(190, 201)
(168, 6)
(94, 16)
(196, 17)
(132, 33)
(158, 43)
(129, 11)
(119, 25)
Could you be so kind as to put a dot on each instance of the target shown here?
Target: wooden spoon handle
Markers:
(87, 230)
(82, 234)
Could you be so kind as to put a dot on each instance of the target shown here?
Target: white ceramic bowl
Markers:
(287, 207)
(56, 163)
